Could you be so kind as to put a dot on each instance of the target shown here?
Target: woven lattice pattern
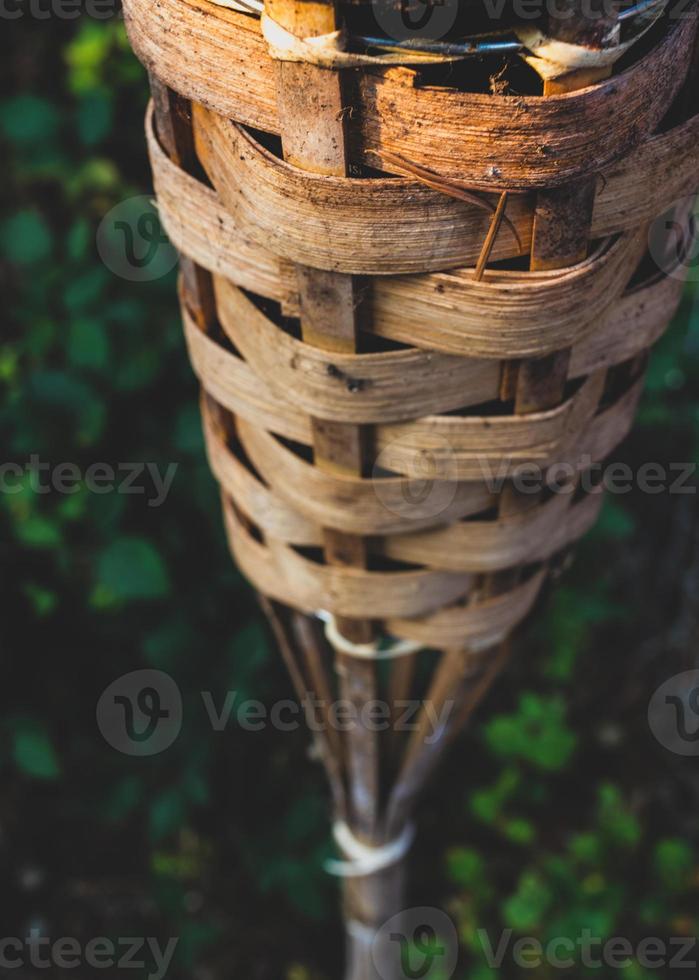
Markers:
(403, 427)
(404, 291)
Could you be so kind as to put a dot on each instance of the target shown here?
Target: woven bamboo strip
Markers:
(357, 505)
(493, 142)
(665, 162)
(439, 310)
(349, 387)
(470, 446)
(469, 546)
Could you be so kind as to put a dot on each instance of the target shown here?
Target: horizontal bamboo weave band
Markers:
(490, 142)
(536, 437)
(257, 187)
(377, 594)
(450, 303)
(466, 546)
(427, 608)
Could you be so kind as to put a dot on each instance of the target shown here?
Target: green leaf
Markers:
(123, 799)
(94, 117)
(9, 363)
(28, 119)
(251, 646)
(465, 866)
(140, 370)
(519, 830)
(673, 861)
(85, 290)
(525, 910)
(487, 802)
(195, 939)
(74, 505)
(615, 818)
(78, 239)
(86, 56)
(61, 391)
(131, 568)
(586, 848)
(615, 522)
(25, 238)
(38, 532)
(187, 436)
(167, 813)
(94, 174)
(34, 754)
(43, 600)
(88, 345)
(168, 642)
(483, 972)
(537, 732)
(197, 787)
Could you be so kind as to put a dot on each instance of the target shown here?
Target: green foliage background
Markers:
(556, 812)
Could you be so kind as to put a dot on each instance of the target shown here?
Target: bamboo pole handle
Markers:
(314, 138)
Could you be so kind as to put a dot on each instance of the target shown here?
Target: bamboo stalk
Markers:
(314, 139)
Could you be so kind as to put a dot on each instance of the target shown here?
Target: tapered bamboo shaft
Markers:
(314, 139)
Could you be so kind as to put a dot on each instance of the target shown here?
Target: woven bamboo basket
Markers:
(409, 276)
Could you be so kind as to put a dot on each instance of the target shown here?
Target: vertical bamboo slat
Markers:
(314, 139)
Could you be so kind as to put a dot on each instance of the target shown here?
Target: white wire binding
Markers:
(365, 651)
(363, 859)
(363, 934)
